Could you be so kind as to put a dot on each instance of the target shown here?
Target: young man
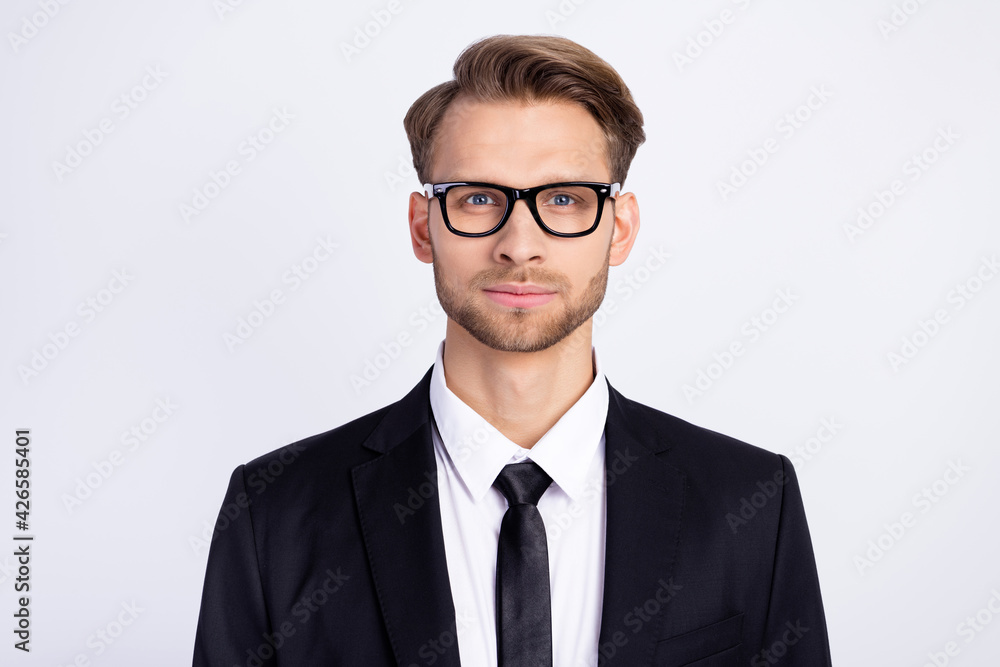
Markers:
(514, 508)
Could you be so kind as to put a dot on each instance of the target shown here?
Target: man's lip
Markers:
(516, 288)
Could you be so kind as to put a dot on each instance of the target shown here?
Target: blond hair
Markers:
(528, 69)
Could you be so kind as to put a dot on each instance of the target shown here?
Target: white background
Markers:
(331, 173)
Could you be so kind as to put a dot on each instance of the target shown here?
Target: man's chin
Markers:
(517, 330)
(512, 344)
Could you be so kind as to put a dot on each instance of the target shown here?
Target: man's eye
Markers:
(479, 200)
(560, 200)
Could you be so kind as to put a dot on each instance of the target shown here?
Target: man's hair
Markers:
(530, 69)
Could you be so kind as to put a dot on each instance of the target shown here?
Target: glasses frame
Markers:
(604, 192)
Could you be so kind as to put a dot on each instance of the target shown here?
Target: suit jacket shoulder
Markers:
(708, 551)
(316, 463)
(715, 465)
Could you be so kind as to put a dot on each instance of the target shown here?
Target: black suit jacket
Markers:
(330, 552)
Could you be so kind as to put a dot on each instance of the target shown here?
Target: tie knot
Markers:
(522, 483)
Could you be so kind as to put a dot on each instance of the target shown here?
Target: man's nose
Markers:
(520, 239)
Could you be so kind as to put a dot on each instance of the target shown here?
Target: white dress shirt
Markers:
(470, 453)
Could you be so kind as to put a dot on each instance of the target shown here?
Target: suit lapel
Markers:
(397, 502)
(645, 497)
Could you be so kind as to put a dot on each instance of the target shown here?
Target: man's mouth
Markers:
(519, 295)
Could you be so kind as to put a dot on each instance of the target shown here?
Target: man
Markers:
(514, 508)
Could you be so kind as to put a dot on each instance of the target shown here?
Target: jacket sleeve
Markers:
(233, 624)
(795, 629)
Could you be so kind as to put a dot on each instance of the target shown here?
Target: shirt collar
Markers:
(479, 451)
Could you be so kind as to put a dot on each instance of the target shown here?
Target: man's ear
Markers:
(626, 228)
(419, 231)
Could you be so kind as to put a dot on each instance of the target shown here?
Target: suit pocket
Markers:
(715, 645)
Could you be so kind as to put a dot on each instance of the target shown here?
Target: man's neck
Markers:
(522, 394)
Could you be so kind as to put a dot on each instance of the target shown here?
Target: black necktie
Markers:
(524, 616)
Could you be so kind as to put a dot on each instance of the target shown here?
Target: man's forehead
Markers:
(465, 108)
(552, 140)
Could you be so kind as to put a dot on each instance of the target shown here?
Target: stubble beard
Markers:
(519, 329)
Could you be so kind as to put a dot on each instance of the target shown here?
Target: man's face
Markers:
(477, 279)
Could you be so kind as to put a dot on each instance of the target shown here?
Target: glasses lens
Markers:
(567, 209)
(474, 209)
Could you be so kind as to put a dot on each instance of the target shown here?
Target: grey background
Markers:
(339, 171)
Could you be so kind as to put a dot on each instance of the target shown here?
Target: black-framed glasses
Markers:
(568, 209)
